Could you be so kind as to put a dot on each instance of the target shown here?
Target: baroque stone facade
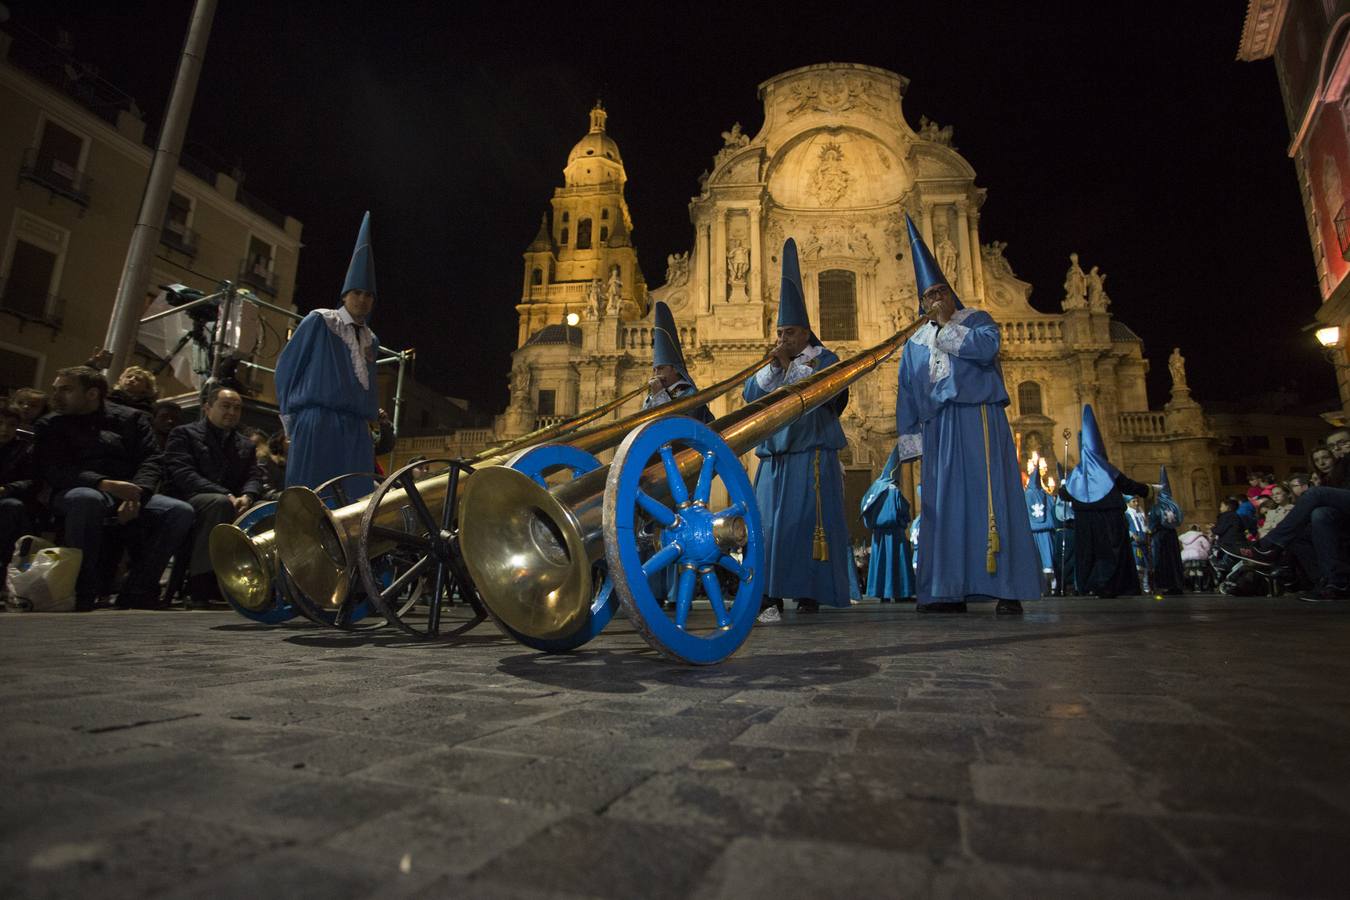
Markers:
(835, 165)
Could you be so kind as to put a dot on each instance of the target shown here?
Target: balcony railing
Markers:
(178, 236)
(258, 274)
(31, 306)
(548, 421)
(56, 175)
(1143, 424)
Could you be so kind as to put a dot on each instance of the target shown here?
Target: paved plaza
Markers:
(1126, 748)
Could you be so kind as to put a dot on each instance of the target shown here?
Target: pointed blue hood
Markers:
(1165, 485)
(361, 270)
(889, 478)
(1094, 476)
(926, 270)
(1166, 512)
(791, 298)
(666, 342)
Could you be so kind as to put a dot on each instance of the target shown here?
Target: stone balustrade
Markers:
(1143, 424)
(1032, 333)
(639, 337)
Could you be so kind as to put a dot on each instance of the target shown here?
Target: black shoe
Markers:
(1262, 556)
(887, 600)
(954, 606)
(807, 605)
(1008, 608)
(1327, 594)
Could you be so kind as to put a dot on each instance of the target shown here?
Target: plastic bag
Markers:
(41, 577)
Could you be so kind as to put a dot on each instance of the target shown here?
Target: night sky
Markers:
(1126, 132)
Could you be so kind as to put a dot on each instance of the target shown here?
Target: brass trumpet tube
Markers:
(548, 433)
(530, 550)
(317, 545)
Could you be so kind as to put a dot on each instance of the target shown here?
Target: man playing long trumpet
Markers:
(976, 538)
(799, 484)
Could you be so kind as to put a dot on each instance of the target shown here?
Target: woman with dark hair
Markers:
(1323, 461)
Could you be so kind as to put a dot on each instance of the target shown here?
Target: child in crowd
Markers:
(1281, 503)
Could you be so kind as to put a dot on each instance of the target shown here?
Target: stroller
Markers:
(1237, 577)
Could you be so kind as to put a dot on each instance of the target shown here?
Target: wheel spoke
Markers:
(448, 511)
(714, 591)
(390, 593)
(703, 490)
(735, 509)
(438, 585)
(684, 597)
(340, 493)
(415, 498)
(678, 491)
(664, 515)
(729, 563)
(660, 559)
(402, 538)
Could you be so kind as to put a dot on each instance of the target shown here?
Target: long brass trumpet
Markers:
(317, 544)
(532, 551)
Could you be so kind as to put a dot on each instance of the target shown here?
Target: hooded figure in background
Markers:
(1169, 576)
(1042, 525)
(670, 376)
(1097, 489)
(799, 483)
(1065, 563)
(325, 381)
(890, 574)
(976, 540)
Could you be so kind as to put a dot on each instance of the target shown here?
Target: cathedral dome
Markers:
(596, 143)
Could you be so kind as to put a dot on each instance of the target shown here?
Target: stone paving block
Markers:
(446, 833)
(1060, 788)
(539, 740)
(794, 737)
(825, 717)
(1281, 860)
(989, 880)
(454, 769)
(226, 737)
(856, 815)
(706, 803)
(290, 873)
(589, 784)
(764, 869)
(339, 754)
(611, 858)
(900, 774)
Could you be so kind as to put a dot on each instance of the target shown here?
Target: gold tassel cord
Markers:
(990, 562)
(820, 547)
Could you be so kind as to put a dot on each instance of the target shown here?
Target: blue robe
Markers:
(324, 406)
(885, 510)
(785, 488)
(1065, 561)
(1042, 522)
(951, 391)
(1164, 518)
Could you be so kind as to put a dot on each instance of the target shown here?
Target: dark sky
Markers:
(1124, 131)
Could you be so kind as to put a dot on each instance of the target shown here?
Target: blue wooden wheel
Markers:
(538, 463)
(354, 611)
(694, 538)
(255, 520)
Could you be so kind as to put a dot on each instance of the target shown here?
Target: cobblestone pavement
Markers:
(1093, 748)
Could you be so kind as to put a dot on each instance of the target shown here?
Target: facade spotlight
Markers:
(1329, 337)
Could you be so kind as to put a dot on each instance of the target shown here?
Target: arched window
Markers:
(537, 276)
(604, 233)
(1029, 399)
(838, 305)
(565, 218)
(604, 214)
(562, 239)
(584, 234)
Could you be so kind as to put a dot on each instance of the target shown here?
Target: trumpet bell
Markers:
(244, 572)
(525, 552)
(308, 541)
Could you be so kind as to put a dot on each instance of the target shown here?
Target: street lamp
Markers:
(1329, 336)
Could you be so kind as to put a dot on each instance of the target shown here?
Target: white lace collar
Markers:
(339, 322)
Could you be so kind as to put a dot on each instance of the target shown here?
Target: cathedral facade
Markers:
(835, 165)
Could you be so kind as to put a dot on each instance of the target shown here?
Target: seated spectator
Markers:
(1281, 503)
(166, 416)
(1195, 546)
(273, 460)
(1299, 482)
(32, 405)
(18, 486)
(1254, 486)
(212, 466)
(1246, 512)
(1230, 532)
(1339, 476)
(103, 468)
(135, 388)
(1263, 508)
(1322, 462)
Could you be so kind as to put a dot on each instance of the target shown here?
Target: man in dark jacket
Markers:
(212, 466)
(100, 461)
(18, 486)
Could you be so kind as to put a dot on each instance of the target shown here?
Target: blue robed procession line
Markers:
(890, 572)
(1042, 521)
(326, 385)
(950, 411)
(799, 475)
(666, 351)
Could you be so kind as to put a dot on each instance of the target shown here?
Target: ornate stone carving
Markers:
(774, 235)
(1176, 365)
(831, 179)
(614, 290)
(838, 238)
(897, 235)
(995, 263)
(1096, 291)
(595, 299)
(945, 251)
(929, 131)
(832, 92)
(520, 384)
(677, 269)
(1075, 285)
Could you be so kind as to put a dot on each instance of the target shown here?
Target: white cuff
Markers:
(950, 337)
(767, 379)
(910, 446)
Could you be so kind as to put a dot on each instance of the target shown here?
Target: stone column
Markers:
(718, 259)
(703, 254)
(976, 256)
(926, 223)
(756, 251)
(964, 268)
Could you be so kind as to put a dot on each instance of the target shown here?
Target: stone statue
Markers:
(946, 255)
(615, 292)
(1075, 285)
(1096, 289)
(734, 139)
(1176, 364)
(595, 299)
(738, 263)
(677, 269)
(929, 131)
(520, 384)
